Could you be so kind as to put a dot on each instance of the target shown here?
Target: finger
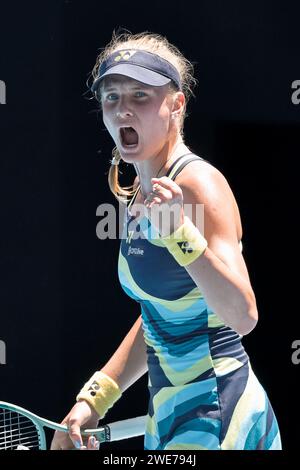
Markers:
(153, 201)
(92, 443)
(166, 182)
(149, 198)
(61, 441)
(160, 190)
(55, 444)
(159, 195)
(74, 433)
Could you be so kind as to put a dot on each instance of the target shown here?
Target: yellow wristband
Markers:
(186, 244)
(101, 392)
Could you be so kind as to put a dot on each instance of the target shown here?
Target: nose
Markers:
(124, 114)
(124, 109)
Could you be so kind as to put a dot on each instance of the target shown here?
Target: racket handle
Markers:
(127, 428)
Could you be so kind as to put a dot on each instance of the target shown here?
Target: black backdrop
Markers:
(63, 312)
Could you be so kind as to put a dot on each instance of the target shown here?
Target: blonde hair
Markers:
(157, 44)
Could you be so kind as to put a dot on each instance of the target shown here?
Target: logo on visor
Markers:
(124, 55)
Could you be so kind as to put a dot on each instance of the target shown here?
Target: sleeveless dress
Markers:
(203, 393)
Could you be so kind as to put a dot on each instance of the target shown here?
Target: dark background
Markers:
(63, 312)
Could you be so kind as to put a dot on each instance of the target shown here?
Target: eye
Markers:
(112, 97)
(140, 94)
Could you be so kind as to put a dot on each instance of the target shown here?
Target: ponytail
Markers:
(122, 194)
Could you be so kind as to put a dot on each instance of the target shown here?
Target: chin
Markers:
(130, 154)
(129, 159)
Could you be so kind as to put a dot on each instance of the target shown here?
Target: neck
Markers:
(159, 165)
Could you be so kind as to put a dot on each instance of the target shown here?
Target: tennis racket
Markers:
(22, 430)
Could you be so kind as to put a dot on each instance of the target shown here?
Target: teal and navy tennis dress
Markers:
(203, 392)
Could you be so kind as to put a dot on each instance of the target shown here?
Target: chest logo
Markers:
(135, 251)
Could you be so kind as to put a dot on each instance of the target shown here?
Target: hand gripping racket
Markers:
(22, 430)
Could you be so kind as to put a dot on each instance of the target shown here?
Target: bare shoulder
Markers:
(201, 182)
(204, 179)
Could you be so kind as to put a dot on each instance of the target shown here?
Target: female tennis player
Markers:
(189, 277)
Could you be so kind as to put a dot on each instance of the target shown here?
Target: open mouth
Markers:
(129, 137)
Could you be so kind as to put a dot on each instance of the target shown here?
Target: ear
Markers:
(178, 104)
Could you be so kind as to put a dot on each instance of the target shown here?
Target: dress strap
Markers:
(180, 163)
(176, 167)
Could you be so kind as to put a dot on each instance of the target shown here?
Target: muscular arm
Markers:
(129, 362)
(220, 273)
(126, 366)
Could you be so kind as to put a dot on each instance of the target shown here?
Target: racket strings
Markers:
(15, 430)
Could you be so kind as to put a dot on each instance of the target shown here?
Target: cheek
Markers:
(159, 121)
(164, 114)
(107, 121)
